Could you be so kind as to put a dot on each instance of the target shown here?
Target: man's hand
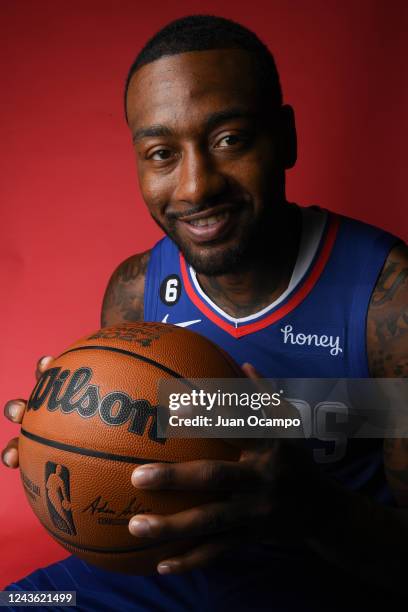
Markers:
(260, 493)
(14, 411)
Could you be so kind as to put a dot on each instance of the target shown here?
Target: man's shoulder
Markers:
(124, 295)
(132, 268)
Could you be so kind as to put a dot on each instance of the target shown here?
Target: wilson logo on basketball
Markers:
(116, 408)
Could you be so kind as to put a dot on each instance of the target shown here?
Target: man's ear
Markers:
(287, 136)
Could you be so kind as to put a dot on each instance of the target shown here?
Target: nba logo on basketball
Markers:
(58, 497)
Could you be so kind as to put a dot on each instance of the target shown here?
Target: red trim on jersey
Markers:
(297, 297)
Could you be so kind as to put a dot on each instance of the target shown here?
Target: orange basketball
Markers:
(90, 421)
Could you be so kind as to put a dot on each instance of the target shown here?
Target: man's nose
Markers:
(199, 178)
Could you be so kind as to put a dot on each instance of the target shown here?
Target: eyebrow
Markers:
(211, 122)
(216, 119)
(153, 131)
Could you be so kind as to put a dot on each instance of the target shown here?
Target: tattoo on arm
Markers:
(124, 295)
(388, 284)
(387, 339)
(387, 326)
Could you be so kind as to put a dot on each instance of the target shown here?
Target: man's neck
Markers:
(251, 289)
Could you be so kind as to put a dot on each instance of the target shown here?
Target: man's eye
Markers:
(229, 141)
(161, 155)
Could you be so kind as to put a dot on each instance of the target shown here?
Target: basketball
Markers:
(90, 421)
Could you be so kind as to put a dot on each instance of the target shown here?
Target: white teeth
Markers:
(208, 220)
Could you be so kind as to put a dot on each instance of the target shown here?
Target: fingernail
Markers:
(139, 527)
(249, 365)
(14, 408)
(12, 411)
(144, 475)
(251, 369)
(8, 457)
(166, 568)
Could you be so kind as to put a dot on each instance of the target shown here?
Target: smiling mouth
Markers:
(207, 227)
(208, 221)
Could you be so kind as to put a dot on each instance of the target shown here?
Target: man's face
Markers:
(206, 154)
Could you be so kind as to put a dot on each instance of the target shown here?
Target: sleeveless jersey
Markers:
(315, 329)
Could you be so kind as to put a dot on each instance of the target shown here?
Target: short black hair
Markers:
(205, 32)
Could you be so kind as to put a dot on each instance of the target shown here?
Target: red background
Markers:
(70, 206)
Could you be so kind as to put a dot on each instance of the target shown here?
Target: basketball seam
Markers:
(152, 362)
(89, 452)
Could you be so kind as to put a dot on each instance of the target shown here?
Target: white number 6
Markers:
(171, 292)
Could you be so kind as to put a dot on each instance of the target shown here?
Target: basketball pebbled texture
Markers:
(90, 421)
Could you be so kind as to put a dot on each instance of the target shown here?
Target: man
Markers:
(258, 276)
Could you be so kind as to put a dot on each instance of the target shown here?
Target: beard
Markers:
(251, 239)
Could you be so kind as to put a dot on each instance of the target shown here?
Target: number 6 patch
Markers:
(170, 290)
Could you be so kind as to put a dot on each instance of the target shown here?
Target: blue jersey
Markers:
(317, 329)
